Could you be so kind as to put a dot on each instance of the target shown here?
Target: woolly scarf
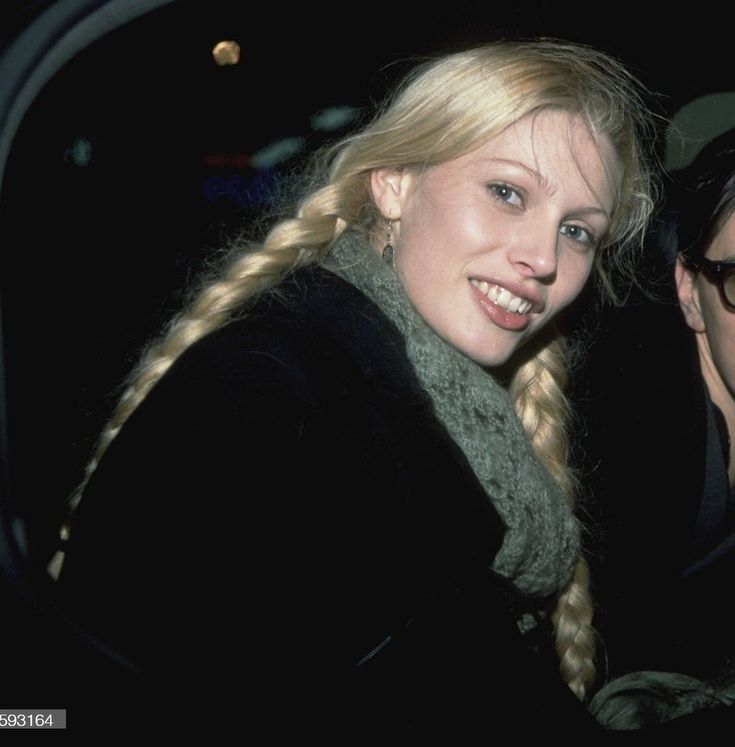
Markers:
(541, 541)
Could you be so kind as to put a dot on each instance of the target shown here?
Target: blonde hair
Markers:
(537, 391)
(445, 109)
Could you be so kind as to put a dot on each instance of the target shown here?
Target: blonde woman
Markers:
(334, 498)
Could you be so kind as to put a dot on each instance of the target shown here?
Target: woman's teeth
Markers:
(502, 297)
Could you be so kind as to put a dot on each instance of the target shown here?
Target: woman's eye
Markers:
(578, 234)
(506, 193)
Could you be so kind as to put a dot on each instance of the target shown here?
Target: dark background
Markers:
(138, 161)
(141, 158)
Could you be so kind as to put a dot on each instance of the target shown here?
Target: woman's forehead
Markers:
(552, 148)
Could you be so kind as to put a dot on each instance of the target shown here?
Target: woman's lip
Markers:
(501, 317)
(516, 289)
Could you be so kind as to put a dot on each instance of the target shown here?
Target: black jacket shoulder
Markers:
(285, 505)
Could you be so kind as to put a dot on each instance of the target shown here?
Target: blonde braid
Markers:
(575, 636)
(537, 391)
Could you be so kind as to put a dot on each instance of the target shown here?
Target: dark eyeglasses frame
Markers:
(716, 272)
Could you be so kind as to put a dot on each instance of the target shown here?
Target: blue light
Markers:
(79, 152)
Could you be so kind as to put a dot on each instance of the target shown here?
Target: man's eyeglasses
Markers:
(720, 273)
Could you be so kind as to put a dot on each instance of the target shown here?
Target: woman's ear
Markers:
(389, 188)
(686, 289)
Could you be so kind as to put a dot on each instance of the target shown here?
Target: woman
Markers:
(321, 493)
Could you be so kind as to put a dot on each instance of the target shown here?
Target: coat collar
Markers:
(336, 308)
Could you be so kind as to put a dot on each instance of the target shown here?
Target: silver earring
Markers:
(388, 248)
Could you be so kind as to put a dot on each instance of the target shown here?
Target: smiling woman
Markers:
(504, 234)
(388, 528)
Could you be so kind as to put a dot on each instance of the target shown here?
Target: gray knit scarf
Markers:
(542, 537)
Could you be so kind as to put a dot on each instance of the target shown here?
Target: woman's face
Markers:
(492, 245)
(706, 314)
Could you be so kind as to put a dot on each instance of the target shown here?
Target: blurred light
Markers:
(334, 118)
(226, 53)
(272, 155)
(697, 123)
(79, 152)
(256, 191)
(226, 160)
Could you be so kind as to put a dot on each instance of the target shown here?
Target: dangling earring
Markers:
(388, 248)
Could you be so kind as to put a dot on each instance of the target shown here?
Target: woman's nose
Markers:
(535, 253)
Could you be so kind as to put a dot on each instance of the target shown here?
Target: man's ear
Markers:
(686, 289)
(390, 188)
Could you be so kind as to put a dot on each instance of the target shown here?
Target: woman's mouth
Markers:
(503, 297)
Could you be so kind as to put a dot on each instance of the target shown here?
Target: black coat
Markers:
(645, 438)
(284, 531)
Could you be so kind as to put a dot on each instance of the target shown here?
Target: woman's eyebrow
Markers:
(588, 209)
(535, 175)
(545, 184)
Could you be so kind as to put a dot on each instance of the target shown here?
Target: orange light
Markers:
(226, 53)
